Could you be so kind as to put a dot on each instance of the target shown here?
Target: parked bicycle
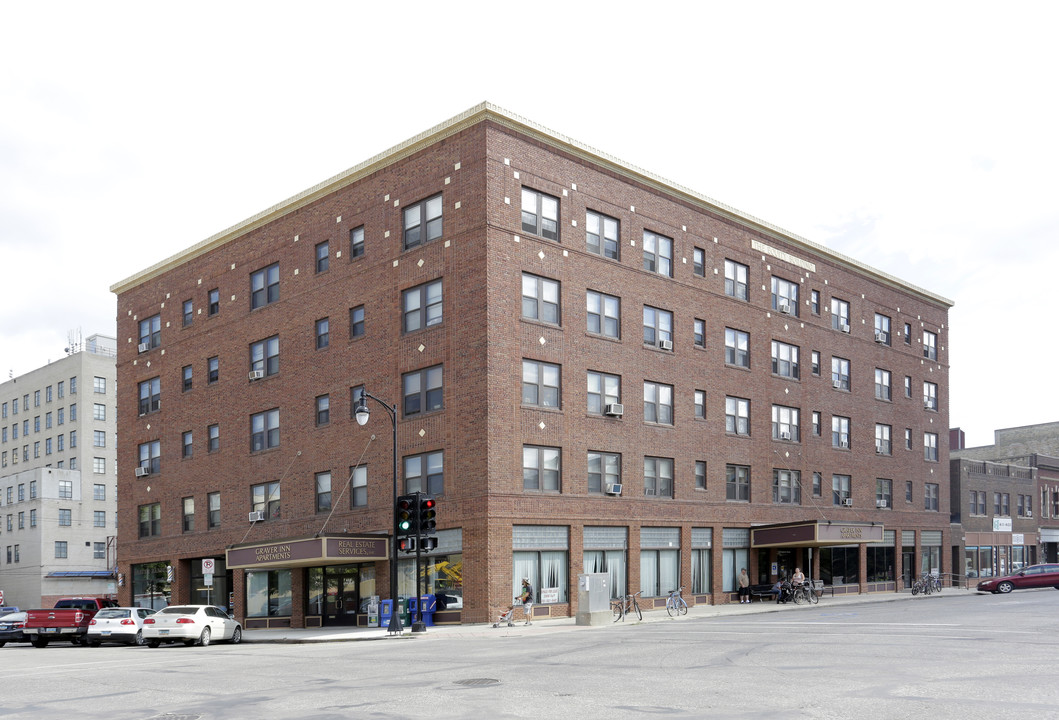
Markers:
(675, 604)
(936, 580)
(923, 584)
(804, 593)
(625, 605)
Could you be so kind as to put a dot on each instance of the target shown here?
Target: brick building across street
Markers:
(594, 370)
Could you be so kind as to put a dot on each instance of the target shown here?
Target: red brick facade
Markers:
(480, 163)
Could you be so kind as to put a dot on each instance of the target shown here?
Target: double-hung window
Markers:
(264, 356)
(540, 299)
(699, 333)
(421, 306)
(323, 256)
(604, 470)
(784, 296)
(840, 489)
(657, 327)
(264, 430)
(736, 348)
(150, 395)
(422, 390)
(785, 360)
(604, 314)
(786, 487)
(930, 345)
(883, 441)
(602, 235)
(882, 329)
(603, 390)
(735, 280)
(840, 373)
(930, 395)
(323, 409)
(785, 423)
(840, 431)
(151, 332)
(541, 469)
(422, 222)
(657, 253)
(425, 473)
(737, 483)
(323, 333)
(151, 456)
(356, 242)
(189, 312)
(930, 446)
(264, 286)
(540, 214)
(540, 384)
(658, 403)
(265, 498)
(882, 384)
(737, 415)
(840, 315)
(658, 476)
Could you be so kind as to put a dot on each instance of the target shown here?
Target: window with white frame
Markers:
(883, 390)
(699, 333)
(883, 445)
(323, 256)
(840, 373)
(884, 493)
(323, 491)
(930, 395)
(323, 410)
(356, 242)
(930, 496)
(358, 492)
(698, 262)
(882, 329)
(700, 404)
(930, 446)
(930, 345)
(786, 487)
(840, 489)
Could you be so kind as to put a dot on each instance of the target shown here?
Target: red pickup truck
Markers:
(68, 620)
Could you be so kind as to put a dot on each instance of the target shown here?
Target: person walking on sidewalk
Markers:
(526, 598)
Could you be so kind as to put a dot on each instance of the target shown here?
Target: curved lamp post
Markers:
(362, 414)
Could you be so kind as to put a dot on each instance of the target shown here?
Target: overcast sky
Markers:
(919, 138)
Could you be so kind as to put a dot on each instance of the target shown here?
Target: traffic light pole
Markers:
(418, 626)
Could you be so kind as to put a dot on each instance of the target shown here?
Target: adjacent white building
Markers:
(58, 505)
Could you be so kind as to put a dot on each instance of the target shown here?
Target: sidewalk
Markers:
(346, 634)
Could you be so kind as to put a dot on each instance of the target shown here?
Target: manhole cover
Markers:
(476, 682)
(171, 716)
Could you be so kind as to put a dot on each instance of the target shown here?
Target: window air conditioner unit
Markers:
(614, 409)
(843, 443)
(256, 516)
(837, 384)
(880, 503)
(928, 405)
(665, 344)
(848, 502)
(784, 435)
(880, 336)
(143, 347)
(141, 471)
(843, 327)
(879, 448)
(256, 374)
(614, 489)
(784, 307)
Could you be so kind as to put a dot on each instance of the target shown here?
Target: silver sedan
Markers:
(192, 625)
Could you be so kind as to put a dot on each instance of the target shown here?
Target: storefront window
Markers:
(840, 565)
(268, 593)
(150, 585)
(542, 555)
(611, 562)
(880, 564)
(930, 560)
(659, 572)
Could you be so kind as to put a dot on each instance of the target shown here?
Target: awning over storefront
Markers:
(815, 533)
(307, 552)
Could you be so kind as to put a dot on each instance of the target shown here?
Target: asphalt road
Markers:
(948, 656)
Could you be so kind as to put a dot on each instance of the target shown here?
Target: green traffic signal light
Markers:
(404, 511)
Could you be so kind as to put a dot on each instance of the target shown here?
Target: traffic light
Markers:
(406, 515)
(427, 515)
(406, 544)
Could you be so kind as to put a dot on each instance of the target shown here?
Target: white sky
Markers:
(916, 137)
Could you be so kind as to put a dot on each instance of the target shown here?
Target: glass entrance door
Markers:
(340, 596)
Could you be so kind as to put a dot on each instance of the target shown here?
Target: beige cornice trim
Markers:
(488, 111)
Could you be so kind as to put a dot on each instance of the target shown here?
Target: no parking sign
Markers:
(208, 565)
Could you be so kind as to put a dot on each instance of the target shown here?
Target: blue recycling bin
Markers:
(429, 605)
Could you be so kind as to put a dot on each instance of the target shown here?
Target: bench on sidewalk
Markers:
(820, 588)
(762, 592)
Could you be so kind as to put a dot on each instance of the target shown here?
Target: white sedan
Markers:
(190, 624)
(118, 624)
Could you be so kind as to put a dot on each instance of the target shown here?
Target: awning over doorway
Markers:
(815, 533)
(307, 552)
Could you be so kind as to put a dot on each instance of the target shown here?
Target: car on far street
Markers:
(11, 628)
(118, 625)
(1034, 576)
(192, 625)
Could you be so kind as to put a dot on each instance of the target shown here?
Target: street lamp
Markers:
(362, 414)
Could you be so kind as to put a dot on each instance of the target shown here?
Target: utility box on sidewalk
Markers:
(593, 599)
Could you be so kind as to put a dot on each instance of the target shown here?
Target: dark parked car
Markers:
(11, 628)
(1034, 576)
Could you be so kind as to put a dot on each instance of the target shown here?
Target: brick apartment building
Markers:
(594, 369)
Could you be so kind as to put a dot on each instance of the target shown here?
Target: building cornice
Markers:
(488, 112)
